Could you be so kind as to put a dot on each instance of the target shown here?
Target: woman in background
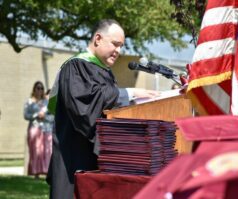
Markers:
(39, 133)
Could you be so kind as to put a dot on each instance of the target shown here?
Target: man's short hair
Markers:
(103, 25)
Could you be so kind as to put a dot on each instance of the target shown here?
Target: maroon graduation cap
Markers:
(209, 128)
(206, 128)
(211, 175)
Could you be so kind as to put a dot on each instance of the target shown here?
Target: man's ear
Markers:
(97, 39)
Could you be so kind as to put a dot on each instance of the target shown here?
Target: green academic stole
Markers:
(87, 56)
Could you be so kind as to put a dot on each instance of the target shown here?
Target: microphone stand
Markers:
(174, 78)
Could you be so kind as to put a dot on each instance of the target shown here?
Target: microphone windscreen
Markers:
(132, 65)
(143, 61)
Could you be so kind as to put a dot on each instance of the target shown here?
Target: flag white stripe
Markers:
(218, 96)
(220, 15)
(213, 49)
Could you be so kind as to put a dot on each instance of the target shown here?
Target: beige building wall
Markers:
(18, 72)
(124, 76)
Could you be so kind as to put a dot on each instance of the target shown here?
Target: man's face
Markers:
(109, 44)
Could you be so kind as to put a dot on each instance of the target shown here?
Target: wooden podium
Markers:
(167, 109)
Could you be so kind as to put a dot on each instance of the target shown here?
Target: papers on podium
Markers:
(163, 95)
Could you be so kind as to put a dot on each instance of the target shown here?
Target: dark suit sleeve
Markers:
(123, 99)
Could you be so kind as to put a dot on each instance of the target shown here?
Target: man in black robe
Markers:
(85, 87)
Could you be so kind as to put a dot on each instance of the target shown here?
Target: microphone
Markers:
(151, 67)
(136, 66)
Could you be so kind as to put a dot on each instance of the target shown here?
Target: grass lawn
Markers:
(21, 187)
(11, 162)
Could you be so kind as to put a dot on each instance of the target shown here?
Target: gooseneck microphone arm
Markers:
(176, 81)
(153, 68)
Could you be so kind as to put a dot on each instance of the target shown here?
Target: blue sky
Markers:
(164, 50)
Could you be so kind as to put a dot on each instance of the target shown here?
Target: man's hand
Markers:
(41, 115)
(143, 93)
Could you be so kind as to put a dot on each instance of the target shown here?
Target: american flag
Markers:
(213, 85)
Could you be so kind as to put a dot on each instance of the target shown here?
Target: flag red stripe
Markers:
(217, 32)
(226, 86)
(210, 67)
(210, 107)
(221, 3)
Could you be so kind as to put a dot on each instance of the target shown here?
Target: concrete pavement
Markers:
(11, 170)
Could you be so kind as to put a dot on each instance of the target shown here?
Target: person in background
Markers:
(84, 87)
(39, 132)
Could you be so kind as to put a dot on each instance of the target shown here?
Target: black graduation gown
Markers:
(85, 90)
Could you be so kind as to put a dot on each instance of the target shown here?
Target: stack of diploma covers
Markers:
(135, 146)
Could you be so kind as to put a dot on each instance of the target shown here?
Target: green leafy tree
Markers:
(71, 21)
(189, 13)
